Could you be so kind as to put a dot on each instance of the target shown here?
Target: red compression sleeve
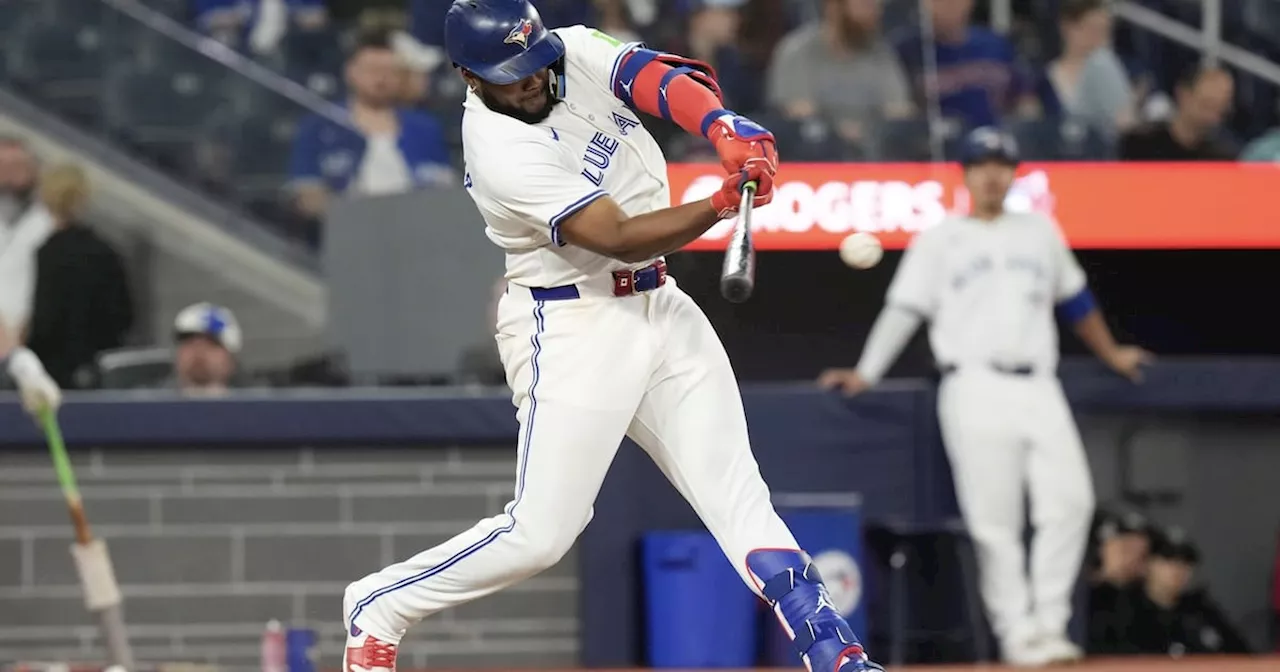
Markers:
(684, 100)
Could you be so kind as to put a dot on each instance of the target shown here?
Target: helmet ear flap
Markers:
(556, 81)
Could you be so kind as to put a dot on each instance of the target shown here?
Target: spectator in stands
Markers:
(258, 25)
(841, 70)
(1164, 614)
(764, 25)
(1088, 80)
(1203, 97)
(386, 150)
(207, 339)
(25, 224)
(711, 35)
(1119, 553)
(82, 300)
(614, 17)
(1122, 543)
(979, 79)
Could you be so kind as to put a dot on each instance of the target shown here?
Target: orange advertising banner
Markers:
(1098, 205)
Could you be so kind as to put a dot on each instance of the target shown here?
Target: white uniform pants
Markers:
(585, 372)
(1007, 437)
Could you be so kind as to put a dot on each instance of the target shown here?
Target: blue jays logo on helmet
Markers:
(520, 34)
(987, 143)
(499, 41)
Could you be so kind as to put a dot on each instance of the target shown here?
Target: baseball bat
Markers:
(738, 277)
(93, 562)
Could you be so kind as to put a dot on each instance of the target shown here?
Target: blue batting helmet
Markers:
(988, 144)
(500, 41)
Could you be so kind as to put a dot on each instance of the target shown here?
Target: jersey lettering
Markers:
(1027, 264)
(972, 270)
(599, 153)
(624, 122)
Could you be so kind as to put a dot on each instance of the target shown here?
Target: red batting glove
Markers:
(729, 198)
(741, 142)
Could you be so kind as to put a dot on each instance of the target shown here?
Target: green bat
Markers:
(66, 476)
(92, 560)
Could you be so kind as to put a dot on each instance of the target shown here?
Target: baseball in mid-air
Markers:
(861, 250)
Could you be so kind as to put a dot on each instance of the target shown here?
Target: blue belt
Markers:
(561, 293)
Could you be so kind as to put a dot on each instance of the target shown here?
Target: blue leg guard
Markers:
(821, 636)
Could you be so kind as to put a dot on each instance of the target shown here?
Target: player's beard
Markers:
(520, 113)
(855, 36)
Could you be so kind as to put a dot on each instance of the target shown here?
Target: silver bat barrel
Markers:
(738, 277)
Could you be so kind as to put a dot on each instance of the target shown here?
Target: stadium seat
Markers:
(1064, 139)
(901, 140)
(16, 13)
(159, 113)
(154, 52)
(43, 52)
(312, 51)
(1037, 138)
(134, 368)
(174, 9)
(261, 150)
(60, 66)
(808, 140)
(79, 12)
(160, 104)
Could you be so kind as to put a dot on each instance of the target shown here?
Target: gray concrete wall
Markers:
(208, 546)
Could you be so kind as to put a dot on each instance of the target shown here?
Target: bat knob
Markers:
(735, 289)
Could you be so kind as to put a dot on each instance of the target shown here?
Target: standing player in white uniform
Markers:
(596, 340)
(988, 284)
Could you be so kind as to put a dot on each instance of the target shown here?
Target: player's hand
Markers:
(38, 390)
(729, 198)
(847, 381)
(1128, 360)
(742, 143)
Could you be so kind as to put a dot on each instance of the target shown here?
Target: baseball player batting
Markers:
(597, 341)
(988, 283)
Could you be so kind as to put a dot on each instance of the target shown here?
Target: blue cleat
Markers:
(791, 584)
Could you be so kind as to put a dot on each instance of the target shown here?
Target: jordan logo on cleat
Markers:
(824, 601)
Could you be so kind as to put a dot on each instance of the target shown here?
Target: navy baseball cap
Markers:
(1172, 543)
(988, 143)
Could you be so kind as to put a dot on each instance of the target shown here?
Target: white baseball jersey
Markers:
(989, 288)
(587, 369)
(527, 178)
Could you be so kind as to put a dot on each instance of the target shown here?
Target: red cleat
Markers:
(366, 653)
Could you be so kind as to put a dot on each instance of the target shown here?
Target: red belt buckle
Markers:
(624, 282)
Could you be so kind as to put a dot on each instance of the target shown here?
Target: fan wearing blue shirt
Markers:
(383, 149)
(257, 24)
(979, 78)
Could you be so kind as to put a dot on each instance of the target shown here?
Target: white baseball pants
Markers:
(1009, 436)
(585, 372)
